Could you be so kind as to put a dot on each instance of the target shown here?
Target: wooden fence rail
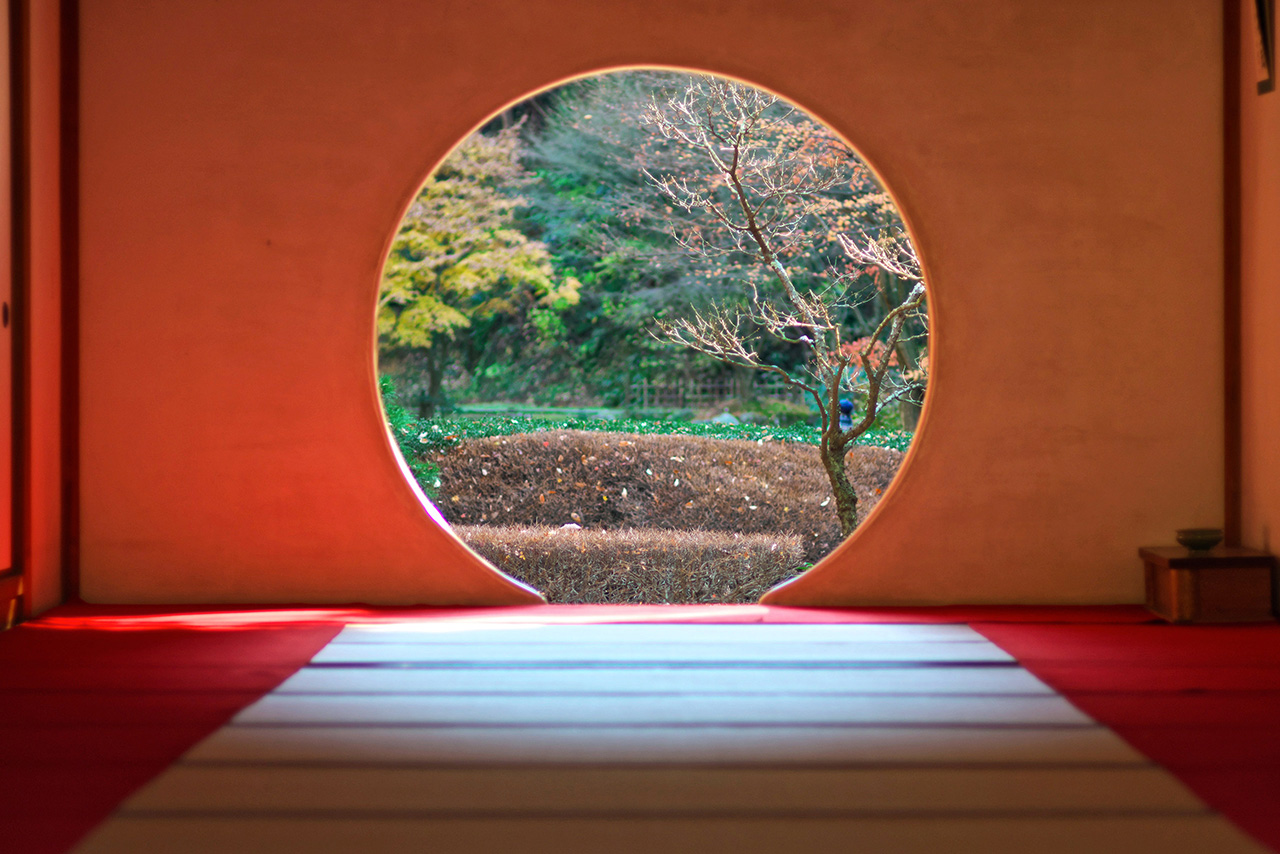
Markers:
(678, 395)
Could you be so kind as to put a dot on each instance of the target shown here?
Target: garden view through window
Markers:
(653, 337)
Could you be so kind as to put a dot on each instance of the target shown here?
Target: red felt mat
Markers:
(1202, 701)
(155, 617)
(93, 706)
(1070, 677)
(95, 701)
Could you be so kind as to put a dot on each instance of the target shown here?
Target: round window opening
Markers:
(653, 337)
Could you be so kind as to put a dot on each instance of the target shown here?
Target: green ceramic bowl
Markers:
(1199, 539)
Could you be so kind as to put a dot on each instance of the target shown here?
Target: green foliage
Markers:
(595, 207)
(408, 432)
(537, 262)
(592, 207)
(441, 434)
(459, 264)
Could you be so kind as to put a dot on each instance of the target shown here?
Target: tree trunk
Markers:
(909, 407)
(846, 496)
(743, 379)
(435, 378)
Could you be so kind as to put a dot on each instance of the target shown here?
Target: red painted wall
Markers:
(43, 550)
(245, 162)
(1261, 298)
(36, 548)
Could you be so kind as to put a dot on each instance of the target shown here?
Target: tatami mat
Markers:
(682, 681)
(745, 738)
(684, 789)
(725, 834)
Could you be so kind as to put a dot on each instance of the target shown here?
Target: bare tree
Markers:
(764, 187)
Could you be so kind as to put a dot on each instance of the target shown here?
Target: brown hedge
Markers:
(624, 480)
(638, 565)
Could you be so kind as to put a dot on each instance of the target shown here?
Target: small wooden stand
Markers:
(1222, 585)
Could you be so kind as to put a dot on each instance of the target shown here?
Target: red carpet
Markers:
(95, 701)
(1203, 701)
(90, 712)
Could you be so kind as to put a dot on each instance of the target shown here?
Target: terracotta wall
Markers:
(246, 161)
(35, 322)
(1261, 299)
(43, 537)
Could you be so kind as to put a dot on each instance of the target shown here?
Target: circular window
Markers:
(653, 337)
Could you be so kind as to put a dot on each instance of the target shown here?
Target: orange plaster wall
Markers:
(1260, 164)
(43, 558)
(245, 163)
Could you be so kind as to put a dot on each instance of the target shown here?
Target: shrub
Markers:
(638, 565)
(623, 480)
(408, 432)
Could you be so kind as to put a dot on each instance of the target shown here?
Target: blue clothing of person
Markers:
(846, 409)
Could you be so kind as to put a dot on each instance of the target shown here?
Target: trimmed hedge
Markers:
(622, 480)
(638, 565)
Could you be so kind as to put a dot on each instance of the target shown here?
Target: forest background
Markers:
(537, 263)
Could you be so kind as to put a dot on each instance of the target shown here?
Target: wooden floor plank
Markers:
(727, 835)
(250, 789)
(705, 654)
(664, 680)
(459, 709)
(666, 745)
(431, 631)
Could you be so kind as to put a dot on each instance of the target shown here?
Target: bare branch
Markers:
(893, 253)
